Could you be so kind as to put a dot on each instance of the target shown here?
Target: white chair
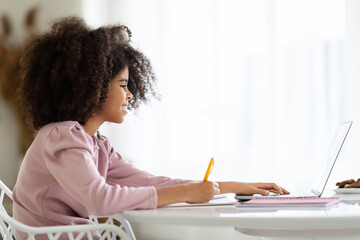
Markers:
(107, 230)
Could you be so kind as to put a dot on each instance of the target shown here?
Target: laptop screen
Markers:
(330, 159)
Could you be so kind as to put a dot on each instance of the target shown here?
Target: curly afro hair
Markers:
(65, 73)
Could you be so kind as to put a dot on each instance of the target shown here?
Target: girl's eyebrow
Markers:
(123, 80)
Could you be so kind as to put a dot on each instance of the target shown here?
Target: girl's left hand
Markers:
(259, 188)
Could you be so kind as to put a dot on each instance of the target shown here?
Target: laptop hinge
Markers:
(317, 193)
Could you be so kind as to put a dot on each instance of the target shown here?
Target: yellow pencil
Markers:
(208, 171)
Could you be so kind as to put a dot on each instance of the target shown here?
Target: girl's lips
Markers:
(124, 107)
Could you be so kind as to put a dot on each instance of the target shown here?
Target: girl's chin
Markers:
(120, 120)
(117, 120)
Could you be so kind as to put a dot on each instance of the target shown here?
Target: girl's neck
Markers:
(92, 126)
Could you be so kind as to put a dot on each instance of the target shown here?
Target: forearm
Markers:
(200, 192)
(169, 195)
(250, 188)
(228, 187)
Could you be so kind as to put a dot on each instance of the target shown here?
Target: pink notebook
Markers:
(290, 202)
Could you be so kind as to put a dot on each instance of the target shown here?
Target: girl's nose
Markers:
(129, 95)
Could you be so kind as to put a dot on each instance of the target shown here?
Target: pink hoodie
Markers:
(67, 175)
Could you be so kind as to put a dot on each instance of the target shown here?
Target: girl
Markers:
(73, 80)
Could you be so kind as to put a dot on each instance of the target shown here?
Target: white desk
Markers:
(339, 222)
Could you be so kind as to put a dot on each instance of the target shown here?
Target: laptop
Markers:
(324, 173)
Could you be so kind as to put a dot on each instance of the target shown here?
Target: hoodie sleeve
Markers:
(69, 157)
(126, 174)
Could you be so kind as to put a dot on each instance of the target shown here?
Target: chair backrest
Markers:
(5, 192)
(9, 225)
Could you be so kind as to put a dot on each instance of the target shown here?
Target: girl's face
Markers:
(115, 106)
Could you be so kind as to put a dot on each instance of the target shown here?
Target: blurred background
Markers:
(260, 85)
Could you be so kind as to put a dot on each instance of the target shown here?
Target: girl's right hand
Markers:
(201, 192)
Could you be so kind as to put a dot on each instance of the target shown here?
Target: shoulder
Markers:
(67, 133)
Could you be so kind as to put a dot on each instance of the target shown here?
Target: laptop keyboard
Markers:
(292, 195)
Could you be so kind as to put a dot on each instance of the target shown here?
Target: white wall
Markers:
(350, 157)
